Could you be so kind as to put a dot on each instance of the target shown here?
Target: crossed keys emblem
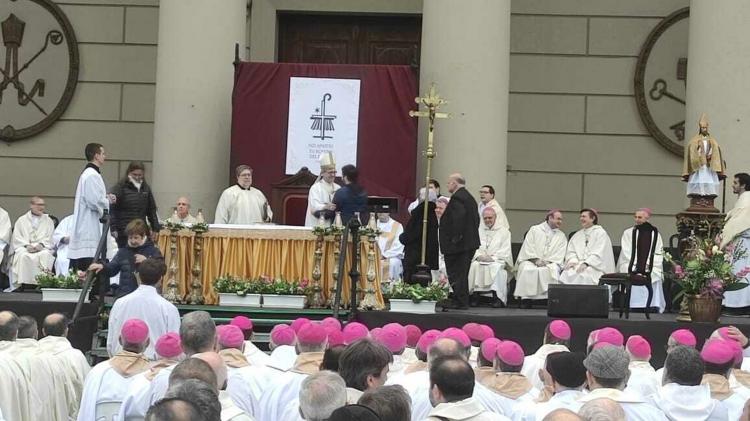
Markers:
(12, 31)
(321, 120)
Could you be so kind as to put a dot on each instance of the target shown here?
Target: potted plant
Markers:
(235, 291)
(62, 288)
(705, 274)
(280, 293)
(414, 298)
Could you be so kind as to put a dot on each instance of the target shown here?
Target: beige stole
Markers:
(234, 358)
(307, 363)
(719, 386)
(128, 364)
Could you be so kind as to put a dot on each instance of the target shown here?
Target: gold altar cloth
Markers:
(252, 252)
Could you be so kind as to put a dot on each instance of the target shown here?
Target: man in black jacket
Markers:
(459, 238)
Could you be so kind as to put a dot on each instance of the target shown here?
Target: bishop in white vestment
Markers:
(320, 198)
(488, 270)
(391, 249)
(5, 232)
(639, 294)
(541, 258)
(32, 245)
(736, 235)
(243, 204)
(589, 253)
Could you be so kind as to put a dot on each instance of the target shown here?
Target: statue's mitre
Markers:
(703, 122)
(327, 162)
(12, 29)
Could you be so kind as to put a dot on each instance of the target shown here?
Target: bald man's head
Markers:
(217, 365)
(192, 368)
(602, 409)
(171, 409)
(562, 414)
(55, 324)
(8, 326)
(446, 347)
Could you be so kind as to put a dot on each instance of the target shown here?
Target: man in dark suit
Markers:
(459, 238)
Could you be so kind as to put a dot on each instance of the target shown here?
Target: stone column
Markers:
(466, 52)
(718, 81)
(194, 81)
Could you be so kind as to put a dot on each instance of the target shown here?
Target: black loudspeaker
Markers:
(578, 301)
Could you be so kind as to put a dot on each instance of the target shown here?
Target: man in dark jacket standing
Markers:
(459, 238)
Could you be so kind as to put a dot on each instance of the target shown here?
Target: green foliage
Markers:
(435, 291)
(46, 279)
(229, 284)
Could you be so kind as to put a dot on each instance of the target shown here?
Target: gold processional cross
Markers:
(432, 102)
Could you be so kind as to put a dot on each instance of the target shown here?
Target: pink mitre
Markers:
(169, 345)
(134, 331)
(230, 336)
(560, 329)
(242, 322)
(638, 347)
(510, 353)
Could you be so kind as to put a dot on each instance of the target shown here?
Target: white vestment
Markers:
(593, 247)
(642, 381)
(636, 408)
(246, 386)
(255, 356)
(47, 380)
(142, 393)
(90, 203)
(5, 232)
(31, 230)
(103, 384)
(391, 249)
(320, 195)
(736, 231)
(188, 219)
(488, 399)
(548, 245)
(536, 411)
(491, 276)
(62, 262)
(276, 399)
(16, 396)
(145, 304)
(500, 218)
(535, 362)
(704, 181)
(688, 403)
(638, 294)
(243, 207)
(230, 411)
(59, 351)
(283, 357)
(466, 410)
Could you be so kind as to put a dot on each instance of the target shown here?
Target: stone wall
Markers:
(113, 105)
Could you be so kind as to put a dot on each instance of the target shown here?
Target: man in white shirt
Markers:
(5, 232)
(589, 253)
(56, 347)
(541, 258)
(108, 382)
(391, 249)
(488, 271)
(564, 376)
(247, 381)
(607, 374)
(487, 200)
(242, 203)
(642, 381)
(641, 240)
(736, 234)
(451, 392)
(557, 336)
(31, 245)
(145, 304)
(320, 198)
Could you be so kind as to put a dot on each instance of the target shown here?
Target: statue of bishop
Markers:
(704, 164)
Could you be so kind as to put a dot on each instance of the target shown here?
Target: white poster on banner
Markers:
(323, 117)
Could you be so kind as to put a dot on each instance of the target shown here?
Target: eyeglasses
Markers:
(484, 192)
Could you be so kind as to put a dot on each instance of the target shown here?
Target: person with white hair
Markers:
(602, 409)
(320, 198)
(493, 259)
(321, 394)
(31, 245)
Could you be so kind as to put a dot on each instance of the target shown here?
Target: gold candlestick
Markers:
(370, 301)
(196, 285)
(172, 292)
(316, 297)
(337, 228)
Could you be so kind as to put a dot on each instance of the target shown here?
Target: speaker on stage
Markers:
(578, 301)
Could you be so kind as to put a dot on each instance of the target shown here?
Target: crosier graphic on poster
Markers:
(323, 116)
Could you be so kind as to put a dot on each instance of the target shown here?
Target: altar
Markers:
(251, 251)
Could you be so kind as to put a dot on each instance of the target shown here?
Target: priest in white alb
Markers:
(589, 253)
(735, 239)
(108, 382)
(5, 232)
(492, 260)
(243, 204)
(647, 237)
(32, 245)
(181, 213)
(487, 200)
(391, 249)
(320, 198)
(541, 258)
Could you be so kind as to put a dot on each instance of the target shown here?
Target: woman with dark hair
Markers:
(134, 200)
(352, 197)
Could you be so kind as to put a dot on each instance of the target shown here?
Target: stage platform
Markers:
(525, 326)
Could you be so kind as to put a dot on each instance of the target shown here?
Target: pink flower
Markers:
(304, 283)
(679, 272)
(744, 272)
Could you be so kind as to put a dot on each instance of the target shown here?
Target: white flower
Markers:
(715, 250)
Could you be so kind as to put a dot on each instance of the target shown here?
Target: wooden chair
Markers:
(289, 198)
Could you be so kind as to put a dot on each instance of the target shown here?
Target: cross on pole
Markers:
(432, 101)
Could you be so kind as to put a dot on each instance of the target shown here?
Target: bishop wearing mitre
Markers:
(703, 165)
(242, 203)
(320, 198)
(32, 245)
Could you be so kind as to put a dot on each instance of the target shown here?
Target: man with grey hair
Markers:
(242, 203)
(391, 403)
(602, 409)
(201, 394)
(607, 374)
(198, 334)
(321, 394)
(682, 396)
(459, 239)
(31, 245)
(562, 414)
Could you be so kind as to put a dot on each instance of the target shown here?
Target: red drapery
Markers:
(387, 138)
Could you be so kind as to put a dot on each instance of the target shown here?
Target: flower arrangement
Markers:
(326, 231)
(199, 227)
(47, 279)
(229, 284)
(707, 271)
(435, 291)
(173, 226)
(281, 286)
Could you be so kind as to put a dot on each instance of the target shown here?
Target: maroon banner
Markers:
(387, 136)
